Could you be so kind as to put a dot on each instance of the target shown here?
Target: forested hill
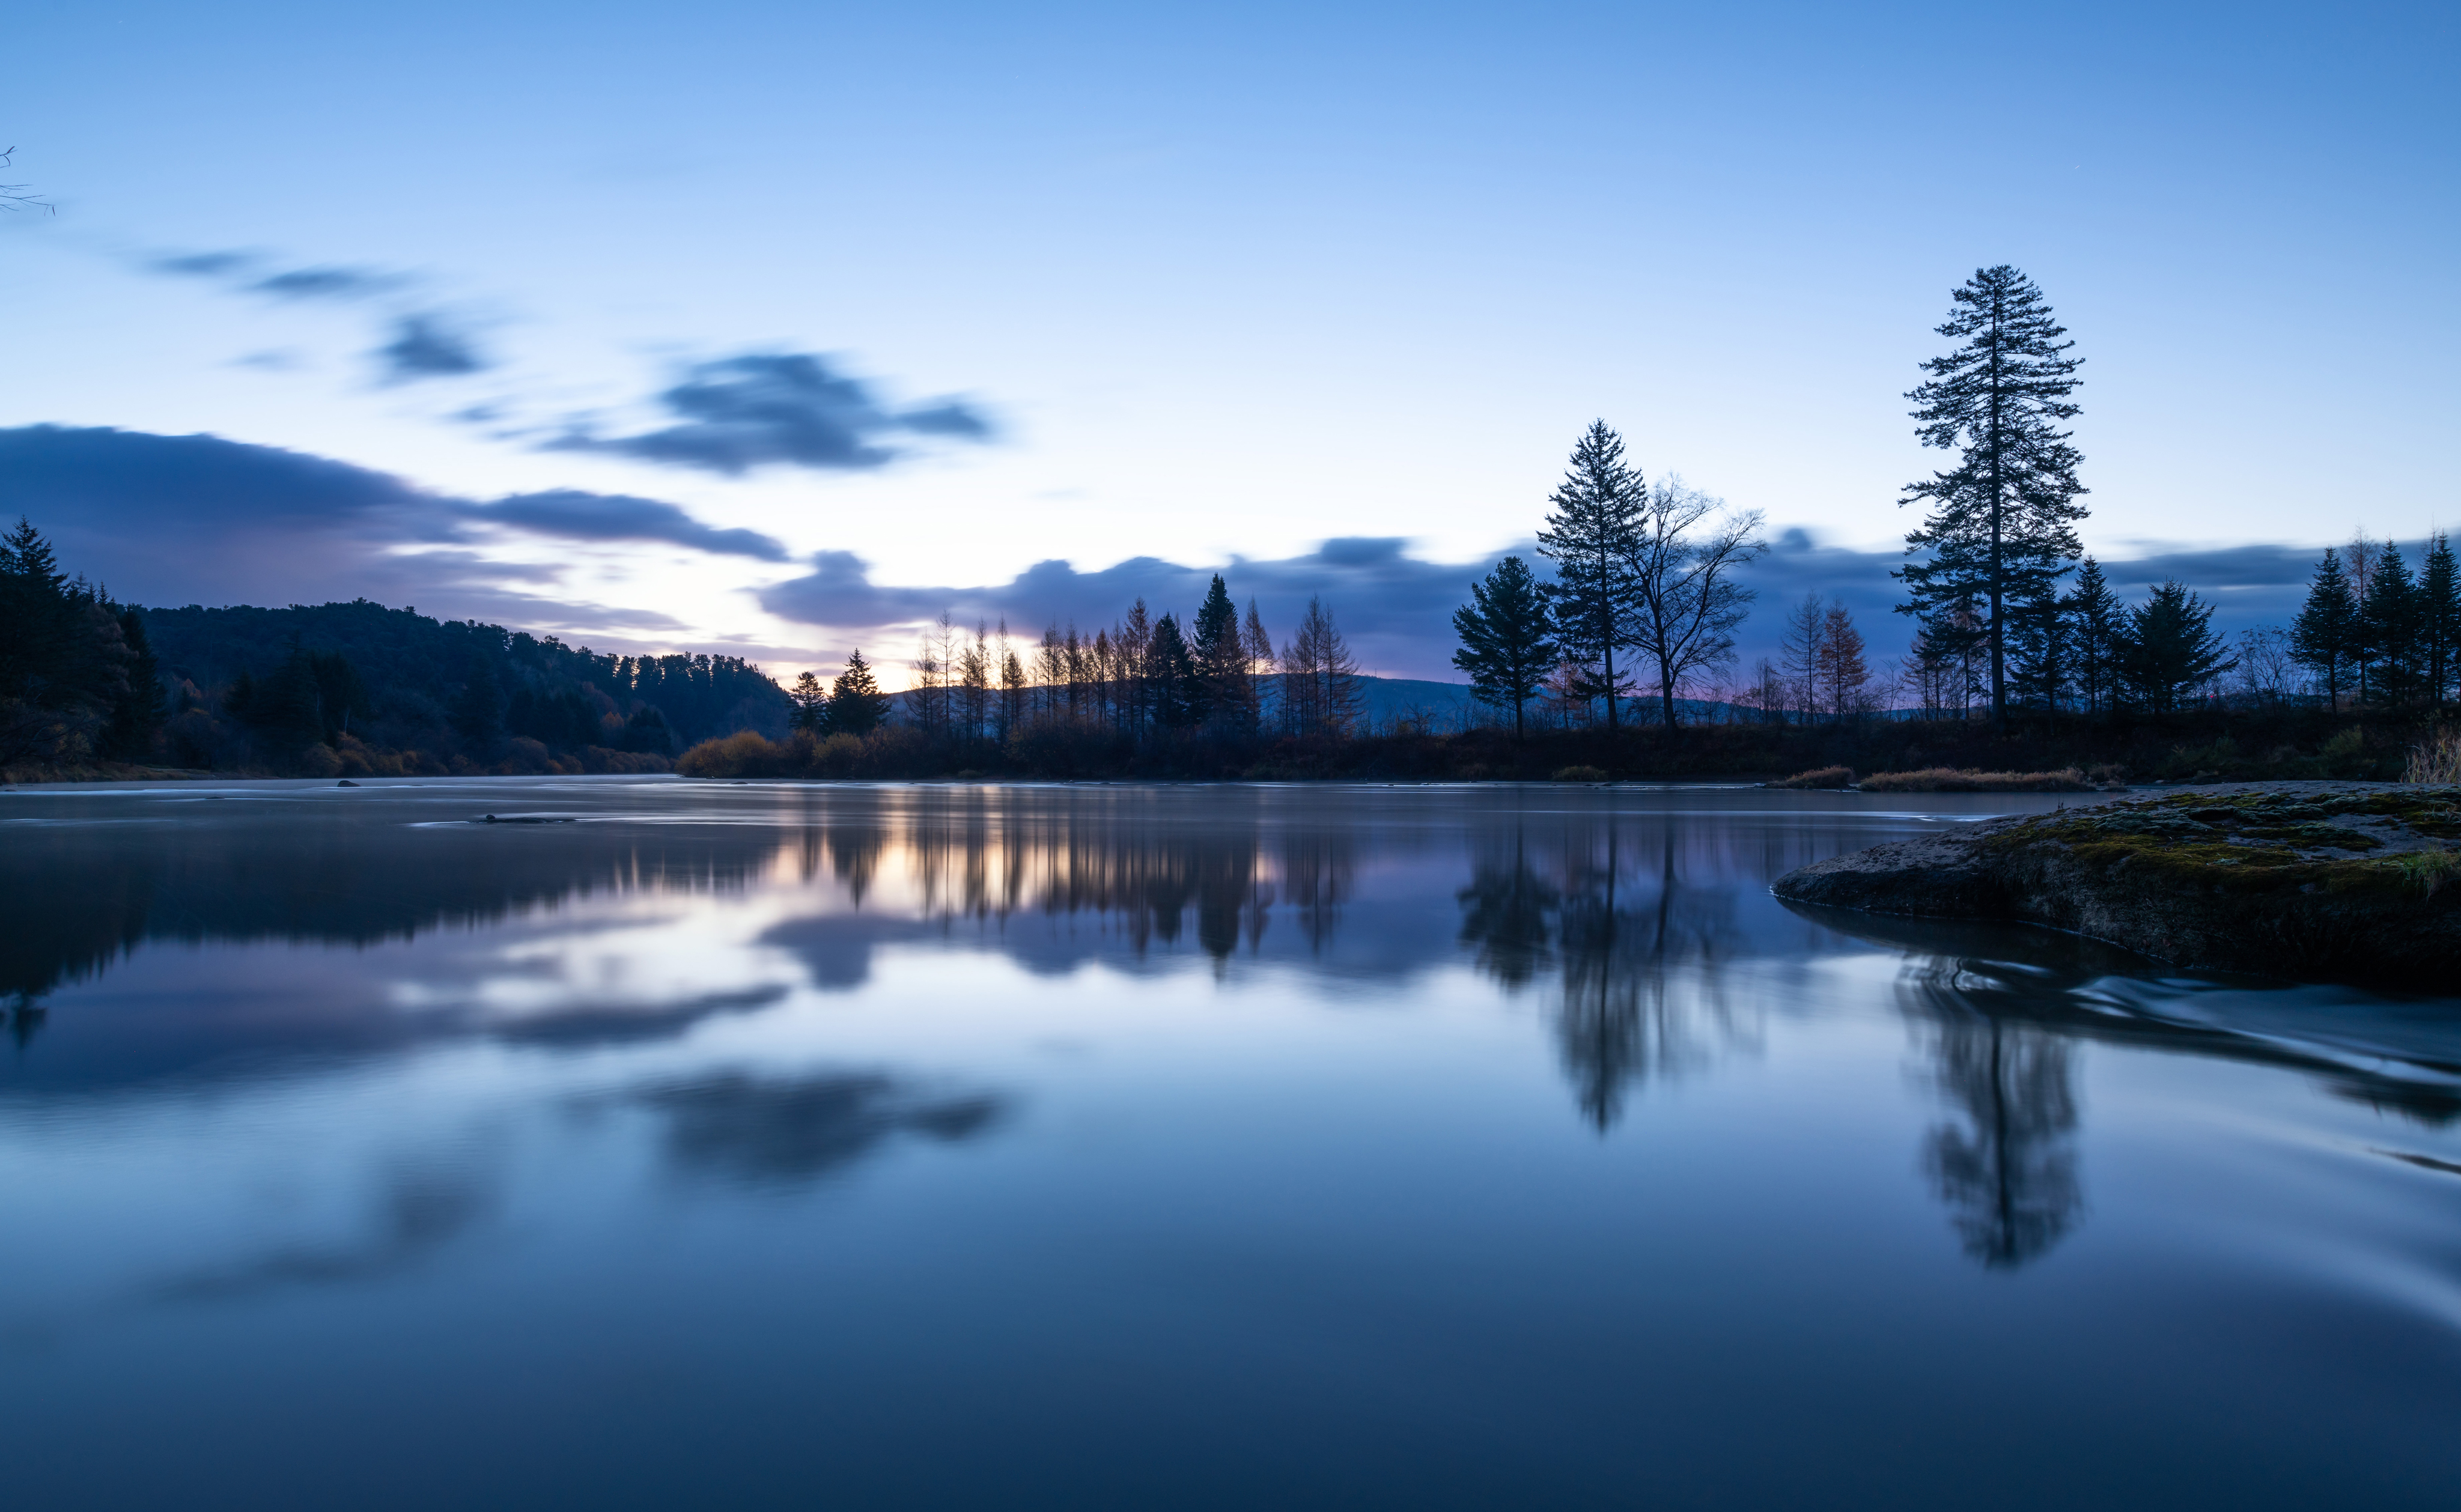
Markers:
(255, 683)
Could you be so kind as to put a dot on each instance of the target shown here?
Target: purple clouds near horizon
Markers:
(182, 519)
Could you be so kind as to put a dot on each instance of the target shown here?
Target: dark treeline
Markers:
(1620, 660)
(333, 689)
(1616, 654)
(1146, 695)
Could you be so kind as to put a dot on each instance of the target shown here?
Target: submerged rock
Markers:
(2348, 880)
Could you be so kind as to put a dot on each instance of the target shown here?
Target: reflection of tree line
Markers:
(1638, 947)
(1149, 880)
(81, 897)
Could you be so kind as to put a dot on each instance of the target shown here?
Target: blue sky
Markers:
(1090, 285)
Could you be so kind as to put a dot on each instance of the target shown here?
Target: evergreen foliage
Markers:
(2439, 618)
(2324, 636)
(2395, 624)
(1592, 535)
(811, 701)
(2169, 650)
(2095, 621)
(1170, 677)
(2002, 520)
(1220, 690)
(479, 710)
(1506, 645)
(856, 704)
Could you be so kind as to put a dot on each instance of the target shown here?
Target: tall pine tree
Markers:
(2396, 627)
(1170, 677)
(2003, 521)
(2323, 637)
(1592, 535)
(1221, 656)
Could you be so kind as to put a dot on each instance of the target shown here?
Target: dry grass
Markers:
(1829, 777)
(2438, 760)
(1947, 779)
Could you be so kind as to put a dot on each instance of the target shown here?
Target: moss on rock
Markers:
(2307, 878)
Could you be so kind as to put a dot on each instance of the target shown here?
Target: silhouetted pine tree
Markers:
(1171, 675)
(1593, 536)
(2322, 637)
(811, 701)
(2439, 594)
(2041, 651)
(856, 704)
(1221, 654)
(2170, 648)
(2396, 628)
(2004, 520)
(2095, 620)
(1505, 644)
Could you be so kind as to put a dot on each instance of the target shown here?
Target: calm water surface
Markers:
(765, 1146)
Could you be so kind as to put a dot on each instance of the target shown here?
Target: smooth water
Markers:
(768, 1146)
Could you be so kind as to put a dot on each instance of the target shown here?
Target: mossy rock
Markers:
(2315, 880)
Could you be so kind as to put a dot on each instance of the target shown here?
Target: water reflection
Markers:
(2006, 1167)
(1639, 948)
(740, 1129)
(416, 1212)
(658, 1157)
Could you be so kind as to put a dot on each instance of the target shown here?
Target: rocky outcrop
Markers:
(2316, 880)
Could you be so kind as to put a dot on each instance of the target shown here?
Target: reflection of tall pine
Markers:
(2003, 523)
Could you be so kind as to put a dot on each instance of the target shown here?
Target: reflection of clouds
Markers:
(417, 1213)
(735, 1128)
(578, 1028)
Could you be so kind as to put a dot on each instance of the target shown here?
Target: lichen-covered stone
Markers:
(2345, 881)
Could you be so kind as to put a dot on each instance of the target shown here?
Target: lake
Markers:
(760, 1145)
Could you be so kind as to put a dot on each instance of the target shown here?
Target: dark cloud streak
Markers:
(786, 409)
(426, 346)
(197, 518)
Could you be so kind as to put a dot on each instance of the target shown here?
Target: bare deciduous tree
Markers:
(1683, 583)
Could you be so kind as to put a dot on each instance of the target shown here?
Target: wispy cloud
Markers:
(427, 345)
(789, 408)
(329, 282)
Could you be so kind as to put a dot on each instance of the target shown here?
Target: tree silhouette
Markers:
(856, 704)
(2169, 648)
(811, 701)
(1505, 644)
(1593, 537)
(2004, 520)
